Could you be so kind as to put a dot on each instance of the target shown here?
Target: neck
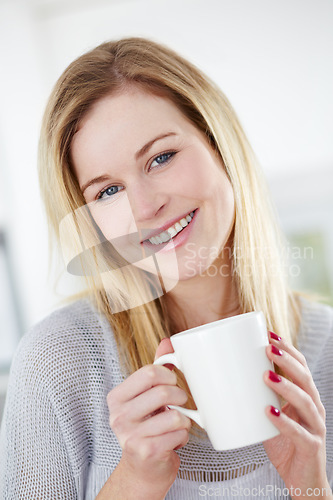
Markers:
(206, 297)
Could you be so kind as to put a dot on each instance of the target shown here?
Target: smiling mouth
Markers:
(172, 231)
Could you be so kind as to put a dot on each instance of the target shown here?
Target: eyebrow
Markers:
(138, 154)
(149, 144)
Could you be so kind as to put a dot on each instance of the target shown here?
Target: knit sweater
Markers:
(56, 442)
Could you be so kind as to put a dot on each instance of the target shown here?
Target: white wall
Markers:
(272, 58)
(21, 104)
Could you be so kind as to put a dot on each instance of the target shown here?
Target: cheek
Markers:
(224, 202)
(114, 219)
(202, 177)
(226, 198)
(193, 177)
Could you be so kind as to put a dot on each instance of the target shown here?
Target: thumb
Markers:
(165, 347)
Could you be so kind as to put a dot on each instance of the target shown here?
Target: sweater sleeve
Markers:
(316, 343)
(34, 460)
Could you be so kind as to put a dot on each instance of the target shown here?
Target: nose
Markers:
(147, 201)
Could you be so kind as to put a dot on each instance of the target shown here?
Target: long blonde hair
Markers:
(258, 269)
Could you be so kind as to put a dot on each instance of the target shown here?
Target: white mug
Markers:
(223, 363)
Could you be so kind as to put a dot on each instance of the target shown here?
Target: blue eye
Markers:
(162, 159)
(110, 192)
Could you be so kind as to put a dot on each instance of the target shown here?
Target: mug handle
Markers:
(193, 414)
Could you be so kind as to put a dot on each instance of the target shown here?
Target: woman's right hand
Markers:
(147, 431)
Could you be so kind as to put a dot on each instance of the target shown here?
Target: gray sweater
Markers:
(56, 442)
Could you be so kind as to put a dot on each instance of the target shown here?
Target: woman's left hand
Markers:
(299, 452)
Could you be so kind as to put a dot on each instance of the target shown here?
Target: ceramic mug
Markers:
(223, 363)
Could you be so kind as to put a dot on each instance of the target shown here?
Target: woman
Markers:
(153, 189)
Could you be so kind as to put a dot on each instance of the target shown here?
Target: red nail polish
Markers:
(274, 377)
(276, 351)
(275, 411)
(274, 336)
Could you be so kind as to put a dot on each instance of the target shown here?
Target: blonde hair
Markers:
(258, 269)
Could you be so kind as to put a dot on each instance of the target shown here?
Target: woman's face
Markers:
(144, 168)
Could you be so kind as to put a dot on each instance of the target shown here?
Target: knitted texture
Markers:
(56, 442)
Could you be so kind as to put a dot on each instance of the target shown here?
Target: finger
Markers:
(288, 347)
(164, 347)
(301, 438)
(157, 397)
(298, 399)
(167, 421)
(168, 441)
(140, 381)
(155, 446)
(298, 372)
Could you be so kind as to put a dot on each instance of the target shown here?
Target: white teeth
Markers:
(171, 232)
(165, 236)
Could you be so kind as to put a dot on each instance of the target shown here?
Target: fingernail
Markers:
(274, 377)
(275, 411)
(274, 336)
(276, 351)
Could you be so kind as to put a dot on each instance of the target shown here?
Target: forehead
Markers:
(118, 125)
(124, 112)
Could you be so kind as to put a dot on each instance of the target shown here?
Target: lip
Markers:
(171, 222)
(175, 242)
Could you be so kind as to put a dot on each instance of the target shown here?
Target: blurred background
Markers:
(272, 58)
